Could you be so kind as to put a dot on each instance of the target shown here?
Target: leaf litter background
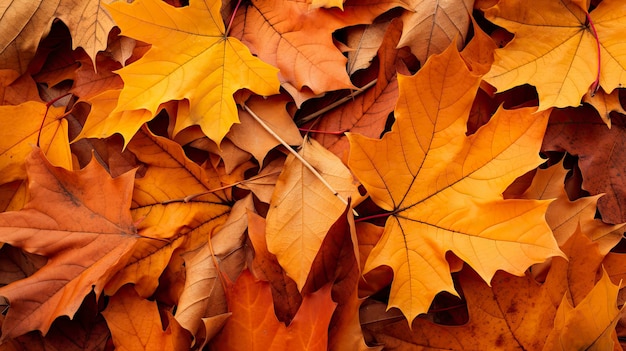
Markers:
(473, 150)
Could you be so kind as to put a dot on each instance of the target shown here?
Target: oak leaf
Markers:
(253, 325)
(303, 36)
(430, 26)
(555, 49)
(443, 189)
(81, 222)
(302, 209)
(191, 58)
(135, 324)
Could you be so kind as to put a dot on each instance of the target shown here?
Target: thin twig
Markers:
(297, 155)
(355, 93)
(189, 198)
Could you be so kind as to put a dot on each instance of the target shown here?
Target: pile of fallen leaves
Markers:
(312, 175)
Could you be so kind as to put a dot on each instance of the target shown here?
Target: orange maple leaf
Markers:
(135, 324)
(25, 23)
(253, 325)
(443, 188)
(517, 312)
(303, 37)
(179, 224)
(191, 58)
(560, 48)
(79, 220)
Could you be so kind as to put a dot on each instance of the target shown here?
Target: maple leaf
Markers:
(162, 212)
(431, 25)
(364, 42)
(605, 104)
(253, 325)
(556, 49)
(285, 294)
(81, 222)
(135, 324)
(203, 295)
(259, 142)
(303, 36)
(87, 330)
(367, 113)
(564, 216)
(24, 24)
(581, 132)
(191, 58)
(498, 317)
(590, 325)
(444, 189)
(302, 209)
(337, 262)
(16, 89)
(44, 125)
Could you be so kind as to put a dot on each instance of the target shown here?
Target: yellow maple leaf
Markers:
(556, 50)
(191, 58)
(443, 188)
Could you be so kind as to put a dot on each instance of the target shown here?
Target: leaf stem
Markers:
(596, 83)
(355, 93)
(48, 104)
(378, 215)
(232, 18)
(295, 154)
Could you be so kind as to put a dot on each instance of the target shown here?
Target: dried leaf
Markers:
(435, 180)
(81, 222)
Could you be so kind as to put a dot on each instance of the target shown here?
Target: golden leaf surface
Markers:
(191, 58)
(302, 209)
(555, 49)
(168, 225)
(443, 189)
(43, 125)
